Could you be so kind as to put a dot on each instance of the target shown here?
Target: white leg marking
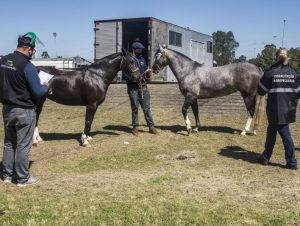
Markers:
(247, 126)
(37, 135)
(84, 140)
(34, 140)
(188, 123)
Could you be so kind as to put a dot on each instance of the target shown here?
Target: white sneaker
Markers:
(31, 181)
(7, 180)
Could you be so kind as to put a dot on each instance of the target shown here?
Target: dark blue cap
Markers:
(138, 45)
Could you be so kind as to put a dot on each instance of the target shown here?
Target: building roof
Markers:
(146, 18)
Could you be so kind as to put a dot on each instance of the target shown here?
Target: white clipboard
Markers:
(45, 77)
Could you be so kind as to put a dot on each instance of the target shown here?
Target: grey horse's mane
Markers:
(196, 64)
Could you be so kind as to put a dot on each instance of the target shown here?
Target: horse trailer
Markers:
(112, 35)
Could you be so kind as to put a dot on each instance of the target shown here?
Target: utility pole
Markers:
(283, 33)
(54, 35)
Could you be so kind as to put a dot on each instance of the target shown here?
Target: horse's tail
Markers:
(260, 111)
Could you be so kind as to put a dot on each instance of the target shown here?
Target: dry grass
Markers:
(208, 178)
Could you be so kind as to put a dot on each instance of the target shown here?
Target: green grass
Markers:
(208, 178)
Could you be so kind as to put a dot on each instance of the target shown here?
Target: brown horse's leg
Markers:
(196, 115)
(36, 136)
(89, 117)
(189, 99)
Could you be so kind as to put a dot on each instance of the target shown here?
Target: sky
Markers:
(254, 23)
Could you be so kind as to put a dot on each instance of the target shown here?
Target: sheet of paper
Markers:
(45, 77)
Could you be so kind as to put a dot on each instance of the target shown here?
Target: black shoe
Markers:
(290, 167)
(262, 160)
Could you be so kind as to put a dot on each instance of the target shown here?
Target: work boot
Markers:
(153, 130)
(291, 167)
(135, 131)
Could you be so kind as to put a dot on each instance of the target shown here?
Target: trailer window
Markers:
(175, 38)
(209, 46)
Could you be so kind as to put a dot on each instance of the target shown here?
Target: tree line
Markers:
(225, 46)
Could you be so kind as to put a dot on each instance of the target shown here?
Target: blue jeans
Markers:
(134, 97)
(284, 132)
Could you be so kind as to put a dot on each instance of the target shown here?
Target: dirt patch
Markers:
(96, 183)
(184, 155)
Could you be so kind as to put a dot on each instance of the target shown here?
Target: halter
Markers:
(164, 56)
(130, 67)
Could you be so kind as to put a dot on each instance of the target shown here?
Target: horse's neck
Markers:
(178, 65)
(110, 70)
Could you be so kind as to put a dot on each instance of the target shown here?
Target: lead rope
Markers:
(140, 90)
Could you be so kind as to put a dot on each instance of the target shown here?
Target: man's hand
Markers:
(148, 73)
(46, 84)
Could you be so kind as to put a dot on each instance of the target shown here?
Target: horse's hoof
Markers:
(254, 133)
(41, 141)
(243, 133)
(35, 144)
(89, 139)
(189, 131)
(87, 145)
(195, 130)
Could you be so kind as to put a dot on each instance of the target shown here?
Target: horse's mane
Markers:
(106, 58)
(186, 57)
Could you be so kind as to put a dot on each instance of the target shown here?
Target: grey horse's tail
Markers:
(260, 111)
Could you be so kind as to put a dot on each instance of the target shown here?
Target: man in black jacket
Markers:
(20, 90)
(282, 83)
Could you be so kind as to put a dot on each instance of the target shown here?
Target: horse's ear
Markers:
(160, 48)
(124, 52)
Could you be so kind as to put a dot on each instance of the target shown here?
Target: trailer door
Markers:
(197, 51)
(108, 38)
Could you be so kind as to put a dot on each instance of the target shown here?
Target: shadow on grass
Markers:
(125, 129)
(72, 136)
(120, 128)
(220, 129)
(239, 153)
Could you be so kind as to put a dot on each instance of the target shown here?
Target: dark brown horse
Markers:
(86, 87)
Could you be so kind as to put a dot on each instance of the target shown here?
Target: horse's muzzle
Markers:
(155, 69)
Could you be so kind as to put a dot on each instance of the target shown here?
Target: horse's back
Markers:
(227, 79)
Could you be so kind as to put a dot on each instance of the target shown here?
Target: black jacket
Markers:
(282, 83)
(19, 81)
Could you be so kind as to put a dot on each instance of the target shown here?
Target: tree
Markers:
(224, 48)
(266, 58)
(241, 59)
(294, 54)
(45, 54)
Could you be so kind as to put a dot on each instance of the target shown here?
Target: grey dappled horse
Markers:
(86, 87)
(197, 81)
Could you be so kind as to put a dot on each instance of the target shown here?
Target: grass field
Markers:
(208, 178)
